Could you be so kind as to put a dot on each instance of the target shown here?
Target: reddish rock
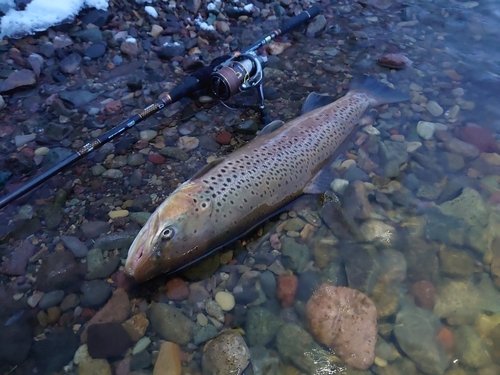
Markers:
(115, 310)
(28, 152)
(112, 107)
(424, 294)
(482, 138)
(122, 281)
(345, 320)
(445, 337)
(287, 286)
(123, 367)
(177, 290)
(156, 158)
(394, 61)
(224, 138)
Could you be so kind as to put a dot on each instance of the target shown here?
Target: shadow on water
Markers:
(419, 192)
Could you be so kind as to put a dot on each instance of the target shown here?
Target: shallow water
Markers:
(419, 234)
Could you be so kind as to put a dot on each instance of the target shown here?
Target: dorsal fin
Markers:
(315, 100)
(272, 126)
(206, 168)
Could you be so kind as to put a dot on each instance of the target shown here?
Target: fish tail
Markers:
(381, 93)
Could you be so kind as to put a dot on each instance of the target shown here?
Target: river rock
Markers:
(426, 129)
(169, 360)
(95, 293)
(60, 270)
(297, 255)
(107, 340)
(297, 346)
(74, 245)
(51, 299)
(16, 264)
(171, 324)
(472, 350)
(56, 351)
(469, 206)
(261, 326)
(226, 354)
(345, 320)
(17, 79)
(98, 266)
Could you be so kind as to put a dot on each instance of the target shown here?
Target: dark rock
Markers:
(316, 26)
(94, 229)
(57, 132)
(47, 49)
(78, 97)
(95, 51)
(261, 326)
(268, 284)
(74, 245)
(140, 361)
(70, 64)
(59, 270)
(16, 331)
(205, 334)
(16, 264)
(98, 266)
(93, 35)
(95, 293)
(249, 127)
(308, 282)
(97, 17)
(36, 63)
(51, 299)
(17, 79)
(171, 50)
(246, 296)
(115, 241)
(55, 352)
(208, 143)
(134, 83)
(107, 340)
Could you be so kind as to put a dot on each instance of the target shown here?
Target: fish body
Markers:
(235, 194)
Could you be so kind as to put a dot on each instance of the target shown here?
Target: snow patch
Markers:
(39, 15)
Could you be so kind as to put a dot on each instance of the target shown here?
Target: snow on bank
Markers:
(39, 15)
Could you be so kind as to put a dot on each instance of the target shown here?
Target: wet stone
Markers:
(55, 352)
(205, 334)
(74, 245)
(261, 326)
(171, 324)
(16, 264)
(268, 284)
(208, 143)
(59, 270)
(107, 340)
(98, 267)
(456, 263)
(93, 229)
(140, 361)
(70, 64)
(226, 354)
(18, 79)
(95, 51)
(51, 299)
(95, 293)
(296, 254)
(434, 108)
(174, 153)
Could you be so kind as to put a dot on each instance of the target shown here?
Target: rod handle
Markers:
(296, 21)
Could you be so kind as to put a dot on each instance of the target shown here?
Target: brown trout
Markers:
(233, 195)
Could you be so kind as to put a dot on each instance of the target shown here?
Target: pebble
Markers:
(177, 290)
(225, 300)
(226, 354)
(186, 143)
(136, 326)
(169, 361)
(224, 138)
(156, 31)
(94, 367)
(34, 299)
(171, 324)
(202, 319)
(156, 158)
(95, 293)
(51, 299)
(339, 185)
(118, 213)
(434, 108)
(42, 151)
(287, 286)
(135, 159)
(74, 245)
(21, 140)
(113, 174)
(151, 11)
(19, 78)
(148, 135)
(214, 310)
(141, 345)
(107, 340)
(426, 129)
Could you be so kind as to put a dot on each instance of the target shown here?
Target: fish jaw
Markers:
(188, 217)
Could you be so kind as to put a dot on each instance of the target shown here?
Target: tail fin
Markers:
(382, 94)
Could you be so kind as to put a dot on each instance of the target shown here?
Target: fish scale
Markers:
(228, 198)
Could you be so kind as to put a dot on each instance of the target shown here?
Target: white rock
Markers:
(151, 11)
(434, 108)
(141, 345)
(339, 185)
(81, 355)
(147, 135)
(426, 129)
(42, 151)
(225, 300)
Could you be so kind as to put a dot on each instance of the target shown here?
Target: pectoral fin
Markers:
(315, 101)
(272, 126)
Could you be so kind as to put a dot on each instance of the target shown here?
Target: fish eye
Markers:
(167, 233)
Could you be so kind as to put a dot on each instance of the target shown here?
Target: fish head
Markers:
(173, 235)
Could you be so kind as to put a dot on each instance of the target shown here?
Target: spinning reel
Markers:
(239, 73)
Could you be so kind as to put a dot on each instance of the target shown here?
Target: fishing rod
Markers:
(226, 75)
